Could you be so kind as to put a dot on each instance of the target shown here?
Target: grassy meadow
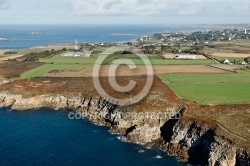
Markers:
(42, 70)
(211, 88)
(157, 60)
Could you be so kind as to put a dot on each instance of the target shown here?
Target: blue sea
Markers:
(46, 137)
(49, 138)
(25, 36)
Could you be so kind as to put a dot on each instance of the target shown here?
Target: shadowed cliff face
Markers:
(191, 140)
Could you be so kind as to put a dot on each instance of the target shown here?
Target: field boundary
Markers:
(222, 69)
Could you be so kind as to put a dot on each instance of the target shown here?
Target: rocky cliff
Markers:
(191, 140)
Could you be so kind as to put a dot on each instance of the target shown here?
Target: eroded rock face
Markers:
(191, 141)
(222, 153)
(197, 143)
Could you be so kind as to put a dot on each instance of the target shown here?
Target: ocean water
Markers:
(45, 137)
(24, 36)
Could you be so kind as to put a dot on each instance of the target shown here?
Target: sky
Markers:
(124, 11)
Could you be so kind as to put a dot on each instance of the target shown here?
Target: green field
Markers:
(157, 60)
(245, 41)
(68, 60)
(64, 63)
(77, 60)
(42, 70)
(211, 88)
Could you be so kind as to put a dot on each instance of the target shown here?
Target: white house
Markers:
(226, 61)
(76, 52)
(185, 56)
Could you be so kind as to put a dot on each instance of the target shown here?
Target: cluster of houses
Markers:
(246, 61)
(185, 56)
(76, 52)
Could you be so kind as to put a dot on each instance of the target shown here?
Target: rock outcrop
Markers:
(192, 141)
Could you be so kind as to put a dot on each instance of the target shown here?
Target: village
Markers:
(189, 45)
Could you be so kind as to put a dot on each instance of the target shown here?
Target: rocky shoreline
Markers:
(193, 141)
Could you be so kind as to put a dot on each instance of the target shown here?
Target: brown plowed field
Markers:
(124, 70)
(231, 55)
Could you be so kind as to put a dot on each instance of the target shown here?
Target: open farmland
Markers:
(227, 67)
(123, 70)
(211, 88)
(242, 42)
(157, 60)
(58, 63)
(77, 60)
(42, 70)
(233, 55)
(69, 60)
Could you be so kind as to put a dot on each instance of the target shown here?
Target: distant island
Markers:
(3, 39)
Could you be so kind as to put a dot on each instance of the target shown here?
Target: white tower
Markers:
(245, 31)
(76, 45)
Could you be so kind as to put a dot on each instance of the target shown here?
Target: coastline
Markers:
(178, 137)
(189, 138)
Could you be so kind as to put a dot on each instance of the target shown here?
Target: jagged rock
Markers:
(190, 140)
(222, 153)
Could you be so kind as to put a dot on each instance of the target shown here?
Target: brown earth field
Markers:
(232, 121)
(124, 70)
(226, 67)
(231, 55)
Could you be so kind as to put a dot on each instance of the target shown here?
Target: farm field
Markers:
(68, 60)
(211, 88)
(123, 70)
(157, 60)
(58, 63)
(65, 66)
(214, 93)
(228, 55)
(76, 60)
(242, 41)
(227, 67)
(42, 70)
